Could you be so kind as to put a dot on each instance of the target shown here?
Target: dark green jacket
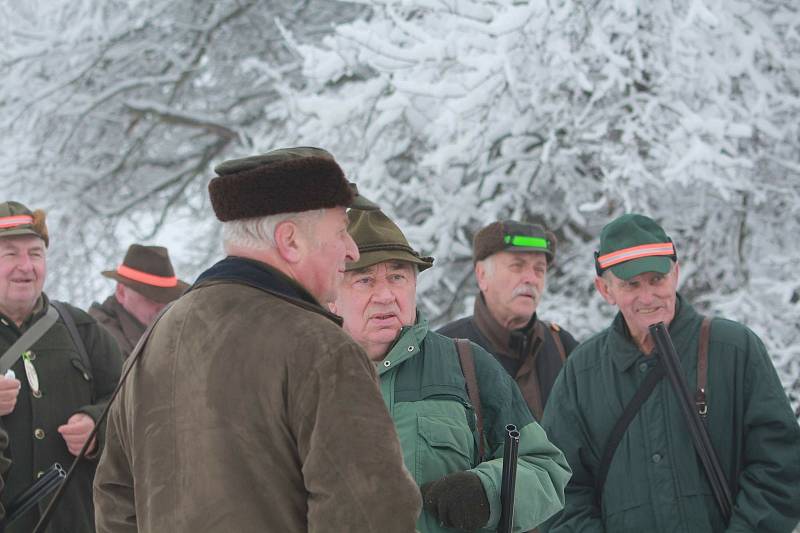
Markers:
(67, 388)
(424, 388)
(655, 482)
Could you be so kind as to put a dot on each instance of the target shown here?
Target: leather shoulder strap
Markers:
(31, 335)
(554, 331)
(468, 368)
(73, 333)
(702, 367)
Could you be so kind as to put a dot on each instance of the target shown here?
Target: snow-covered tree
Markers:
(456, 113)
(115, 113)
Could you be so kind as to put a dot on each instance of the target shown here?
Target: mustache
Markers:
(526, 290)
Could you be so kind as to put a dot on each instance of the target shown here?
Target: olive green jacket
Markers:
(424, 388)
(67, 387)
(251, 411)
(655, 482)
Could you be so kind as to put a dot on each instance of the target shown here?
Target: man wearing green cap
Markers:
(62, 376)
(512, 260)
(442, 432)
(654, 480)
(250, 410)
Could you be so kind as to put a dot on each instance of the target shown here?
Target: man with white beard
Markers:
(511, 263)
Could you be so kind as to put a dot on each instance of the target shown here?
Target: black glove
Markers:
(457, 500)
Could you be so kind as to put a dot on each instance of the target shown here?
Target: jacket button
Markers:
(37, 393)
(387, 364)
(31, 356)
(643, 367)
(656, 457)
(39, 474)
(38, 433)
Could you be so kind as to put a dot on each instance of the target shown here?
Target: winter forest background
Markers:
(449, 113)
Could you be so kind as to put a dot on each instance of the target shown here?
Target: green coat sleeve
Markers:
(563, 424)
(768, 497)
(542, 470)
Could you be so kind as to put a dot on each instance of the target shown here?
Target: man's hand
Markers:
(457, 500)
(76, 431)
(9, 390)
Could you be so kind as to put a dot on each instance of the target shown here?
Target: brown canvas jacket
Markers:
(530, 354)
(125, 328)
(250, 411)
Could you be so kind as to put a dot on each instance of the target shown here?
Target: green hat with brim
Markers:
(17, 220)
(379, 239)
(633, 244)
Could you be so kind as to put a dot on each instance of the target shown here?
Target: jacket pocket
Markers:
(444, 445)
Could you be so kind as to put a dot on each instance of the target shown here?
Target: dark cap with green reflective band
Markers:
(633, 244)
(379, 239)
(513, 236)
(16, 219)
(287, 180)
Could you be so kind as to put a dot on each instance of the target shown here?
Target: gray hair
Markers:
(258, 233)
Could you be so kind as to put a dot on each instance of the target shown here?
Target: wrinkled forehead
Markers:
(526, 256)
(21, 242)
(388, 266)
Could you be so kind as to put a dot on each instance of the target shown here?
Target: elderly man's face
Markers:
(140, 306)
(330, 250)
(375, 302)
(643, 300)
(512, 285)
(23, 268)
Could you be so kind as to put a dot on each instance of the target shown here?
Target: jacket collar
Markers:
(406, 346)
(624, 351)
(130, 325)
(264, 277)
(504, 342)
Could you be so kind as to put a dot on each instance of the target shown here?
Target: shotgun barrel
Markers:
(508, 483)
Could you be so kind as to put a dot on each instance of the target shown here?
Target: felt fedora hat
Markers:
(379, 239)
(16, 219)
(148, 271)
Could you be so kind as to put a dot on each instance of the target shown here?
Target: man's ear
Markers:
(119, 293)
(481, 276)
(289, 242)
(601, 284)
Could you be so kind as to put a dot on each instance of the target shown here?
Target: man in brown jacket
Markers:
(511, 264)
(250, 409)
(146, 282)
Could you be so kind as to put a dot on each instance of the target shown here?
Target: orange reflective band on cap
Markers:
(147, 279)
(15, 220)
(635, 252)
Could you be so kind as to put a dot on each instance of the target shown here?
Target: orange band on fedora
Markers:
(15, 220)
(147, 279)
(635, 252)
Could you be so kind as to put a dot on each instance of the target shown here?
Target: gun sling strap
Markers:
(31, 335)
(468, 368)
(643, 393)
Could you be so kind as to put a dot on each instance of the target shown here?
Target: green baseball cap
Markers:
(379, 239)
(633, 244)
(16, 219)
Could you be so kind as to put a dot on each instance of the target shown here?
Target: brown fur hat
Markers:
(16, 219)
(513, 236)
(288, 180)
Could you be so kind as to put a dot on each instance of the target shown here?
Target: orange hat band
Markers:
(635, 252)
(15, 220)
(147, 279)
